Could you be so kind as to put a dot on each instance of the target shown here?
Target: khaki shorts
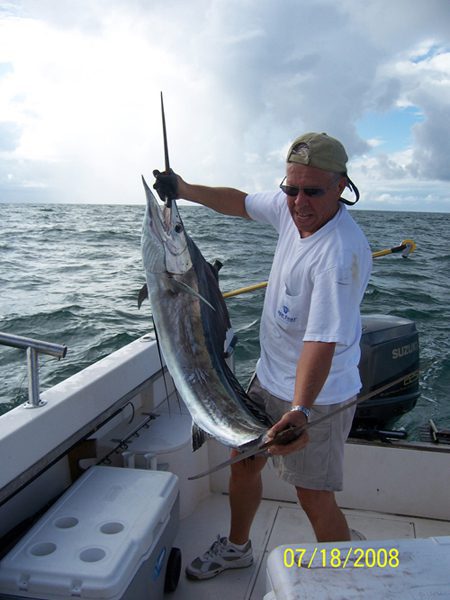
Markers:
(318, 466)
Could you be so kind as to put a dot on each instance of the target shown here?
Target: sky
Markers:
(80, 83)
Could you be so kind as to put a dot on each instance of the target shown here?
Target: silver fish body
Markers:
(192, 323)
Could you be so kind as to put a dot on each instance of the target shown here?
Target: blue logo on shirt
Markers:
(283, 314)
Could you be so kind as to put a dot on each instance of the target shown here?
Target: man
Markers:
(309, 337)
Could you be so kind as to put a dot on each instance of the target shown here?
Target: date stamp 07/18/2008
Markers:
(341, 558)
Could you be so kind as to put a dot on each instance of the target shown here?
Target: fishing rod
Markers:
(406, 248)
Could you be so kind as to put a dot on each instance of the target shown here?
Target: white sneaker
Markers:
(220, 556)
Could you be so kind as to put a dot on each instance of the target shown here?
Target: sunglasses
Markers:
(311, 192)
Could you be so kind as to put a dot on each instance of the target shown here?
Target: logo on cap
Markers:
(302, 151)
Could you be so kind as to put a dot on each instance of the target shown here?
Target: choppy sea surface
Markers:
(70, 274)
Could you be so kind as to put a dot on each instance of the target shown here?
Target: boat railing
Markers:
(33, 349)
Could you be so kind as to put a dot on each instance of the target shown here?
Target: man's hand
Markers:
(290, 419)
(166, 185)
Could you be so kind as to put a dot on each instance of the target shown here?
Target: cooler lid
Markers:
(93, 540)
(399, 568)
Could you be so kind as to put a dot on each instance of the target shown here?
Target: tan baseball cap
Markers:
(324, 152)
(319, 150)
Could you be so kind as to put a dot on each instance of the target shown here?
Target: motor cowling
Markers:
(389, 350)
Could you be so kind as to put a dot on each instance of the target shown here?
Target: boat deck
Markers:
(276, 523)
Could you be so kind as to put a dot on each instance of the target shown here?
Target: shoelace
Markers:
(215, 548)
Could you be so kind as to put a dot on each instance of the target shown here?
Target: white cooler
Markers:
(421, 572)
(109, 536)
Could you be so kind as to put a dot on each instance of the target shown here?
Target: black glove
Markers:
(166, 185)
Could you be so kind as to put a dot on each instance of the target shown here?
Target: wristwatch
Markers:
(302, 409)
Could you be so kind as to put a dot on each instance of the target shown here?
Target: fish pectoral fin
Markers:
(143, 294)
(187, 288)
(199, 437)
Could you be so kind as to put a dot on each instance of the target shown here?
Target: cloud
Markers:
(9, 136)
(422, 79)
(241, 79)
(432, 137)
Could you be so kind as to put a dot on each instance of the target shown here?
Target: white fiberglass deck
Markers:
(276, 523)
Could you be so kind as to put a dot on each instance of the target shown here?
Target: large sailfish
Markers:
(193, 327)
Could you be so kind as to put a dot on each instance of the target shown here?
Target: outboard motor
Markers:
(389, 350)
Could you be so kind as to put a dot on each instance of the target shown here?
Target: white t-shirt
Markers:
(316, 285)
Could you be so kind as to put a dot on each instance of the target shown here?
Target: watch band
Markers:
(303, 409)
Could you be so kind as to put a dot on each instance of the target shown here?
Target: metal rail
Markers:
(33, 349)
(44, 463)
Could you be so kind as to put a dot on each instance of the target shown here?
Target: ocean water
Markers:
(70, 274)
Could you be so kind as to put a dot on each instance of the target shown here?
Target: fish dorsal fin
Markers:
(187, 288)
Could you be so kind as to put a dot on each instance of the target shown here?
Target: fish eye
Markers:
(178, 228)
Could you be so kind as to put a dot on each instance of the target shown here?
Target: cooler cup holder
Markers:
(66, 522)
(91, 555)
(43, 549)
(112, 527)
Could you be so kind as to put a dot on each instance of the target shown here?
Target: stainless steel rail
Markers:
(33, 348)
